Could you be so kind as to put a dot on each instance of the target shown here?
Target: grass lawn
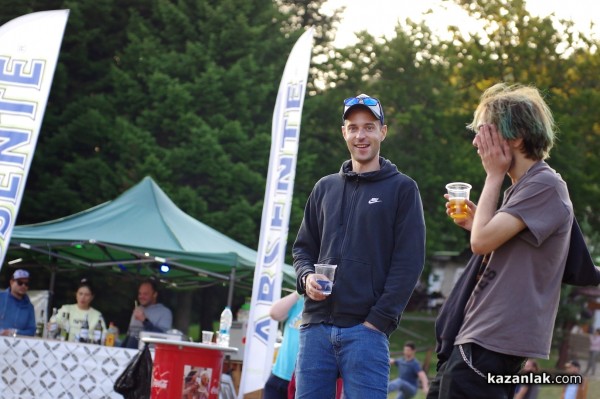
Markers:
(419, 328)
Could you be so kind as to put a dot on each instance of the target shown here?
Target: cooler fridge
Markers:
(186, 368)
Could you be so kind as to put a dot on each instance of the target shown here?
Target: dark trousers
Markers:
(455, 379)
(130, 342)
(276, 388)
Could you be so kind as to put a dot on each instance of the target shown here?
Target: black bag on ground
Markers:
(134, 382)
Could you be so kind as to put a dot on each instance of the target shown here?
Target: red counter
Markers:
(181, 367)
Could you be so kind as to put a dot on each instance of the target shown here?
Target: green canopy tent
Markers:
(136, 234)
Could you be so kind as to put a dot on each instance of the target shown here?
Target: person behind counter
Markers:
(16, 311)
(79, 311)
(148, 315)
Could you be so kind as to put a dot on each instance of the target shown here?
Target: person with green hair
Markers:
(524, 243)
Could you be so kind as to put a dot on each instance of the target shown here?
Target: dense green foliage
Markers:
(184, 90)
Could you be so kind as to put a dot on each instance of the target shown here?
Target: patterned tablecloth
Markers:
(42, 369)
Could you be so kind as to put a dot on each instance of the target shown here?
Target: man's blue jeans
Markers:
(405, 390)
(360, 355)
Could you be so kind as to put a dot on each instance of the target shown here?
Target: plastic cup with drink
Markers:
(458, 194)
(327, 271)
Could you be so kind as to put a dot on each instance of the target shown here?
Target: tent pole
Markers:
(231, 285)
(51, 288)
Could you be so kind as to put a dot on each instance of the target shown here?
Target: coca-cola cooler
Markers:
(186, 368)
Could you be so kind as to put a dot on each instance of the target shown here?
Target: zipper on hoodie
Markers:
(351, 206)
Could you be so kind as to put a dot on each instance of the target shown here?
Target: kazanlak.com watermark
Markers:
(531, 378)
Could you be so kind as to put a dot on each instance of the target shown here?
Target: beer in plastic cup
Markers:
(458, 194)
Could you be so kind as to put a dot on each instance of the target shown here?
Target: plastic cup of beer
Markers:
(207, 337)
(328, 271)
(458, 194)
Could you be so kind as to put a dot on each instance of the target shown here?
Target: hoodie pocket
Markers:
(354, 288)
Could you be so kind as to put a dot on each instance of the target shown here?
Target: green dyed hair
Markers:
(518, 112)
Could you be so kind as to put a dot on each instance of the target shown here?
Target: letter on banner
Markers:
(262, 330)
(29, 47)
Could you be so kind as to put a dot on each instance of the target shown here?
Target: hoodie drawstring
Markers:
(343, 202)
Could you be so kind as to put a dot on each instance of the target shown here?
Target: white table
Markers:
(32, 368)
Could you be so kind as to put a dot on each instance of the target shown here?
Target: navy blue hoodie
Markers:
(16, 313)
(371, 226)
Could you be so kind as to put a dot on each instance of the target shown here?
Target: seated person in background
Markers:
(148, 315)
(79, 311)
(409, 372)
(16, 311)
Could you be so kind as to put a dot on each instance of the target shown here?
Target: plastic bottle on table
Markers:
(53, 329)
(111, 334)
(225, 327)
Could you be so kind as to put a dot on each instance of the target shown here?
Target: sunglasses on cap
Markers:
(371, 102)
(25, 283)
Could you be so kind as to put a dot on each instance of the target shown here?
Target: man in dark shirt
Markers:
(409, 373)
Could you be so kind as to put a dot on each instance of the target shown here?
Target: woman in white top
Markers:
(78, 312)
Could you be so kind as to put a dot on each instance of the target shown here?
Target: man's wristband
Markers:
(304, 280)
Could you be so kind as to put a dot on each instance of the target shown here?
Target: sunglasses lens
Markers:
(361, 100)
(25, 283)
(370, 101)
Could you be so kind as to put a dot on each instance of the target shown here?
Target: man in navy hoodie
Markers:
(16, 311)
(368, 220)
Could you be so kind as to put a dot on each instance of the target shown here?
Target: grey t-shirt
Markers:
(513, 306)
(158, 314)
